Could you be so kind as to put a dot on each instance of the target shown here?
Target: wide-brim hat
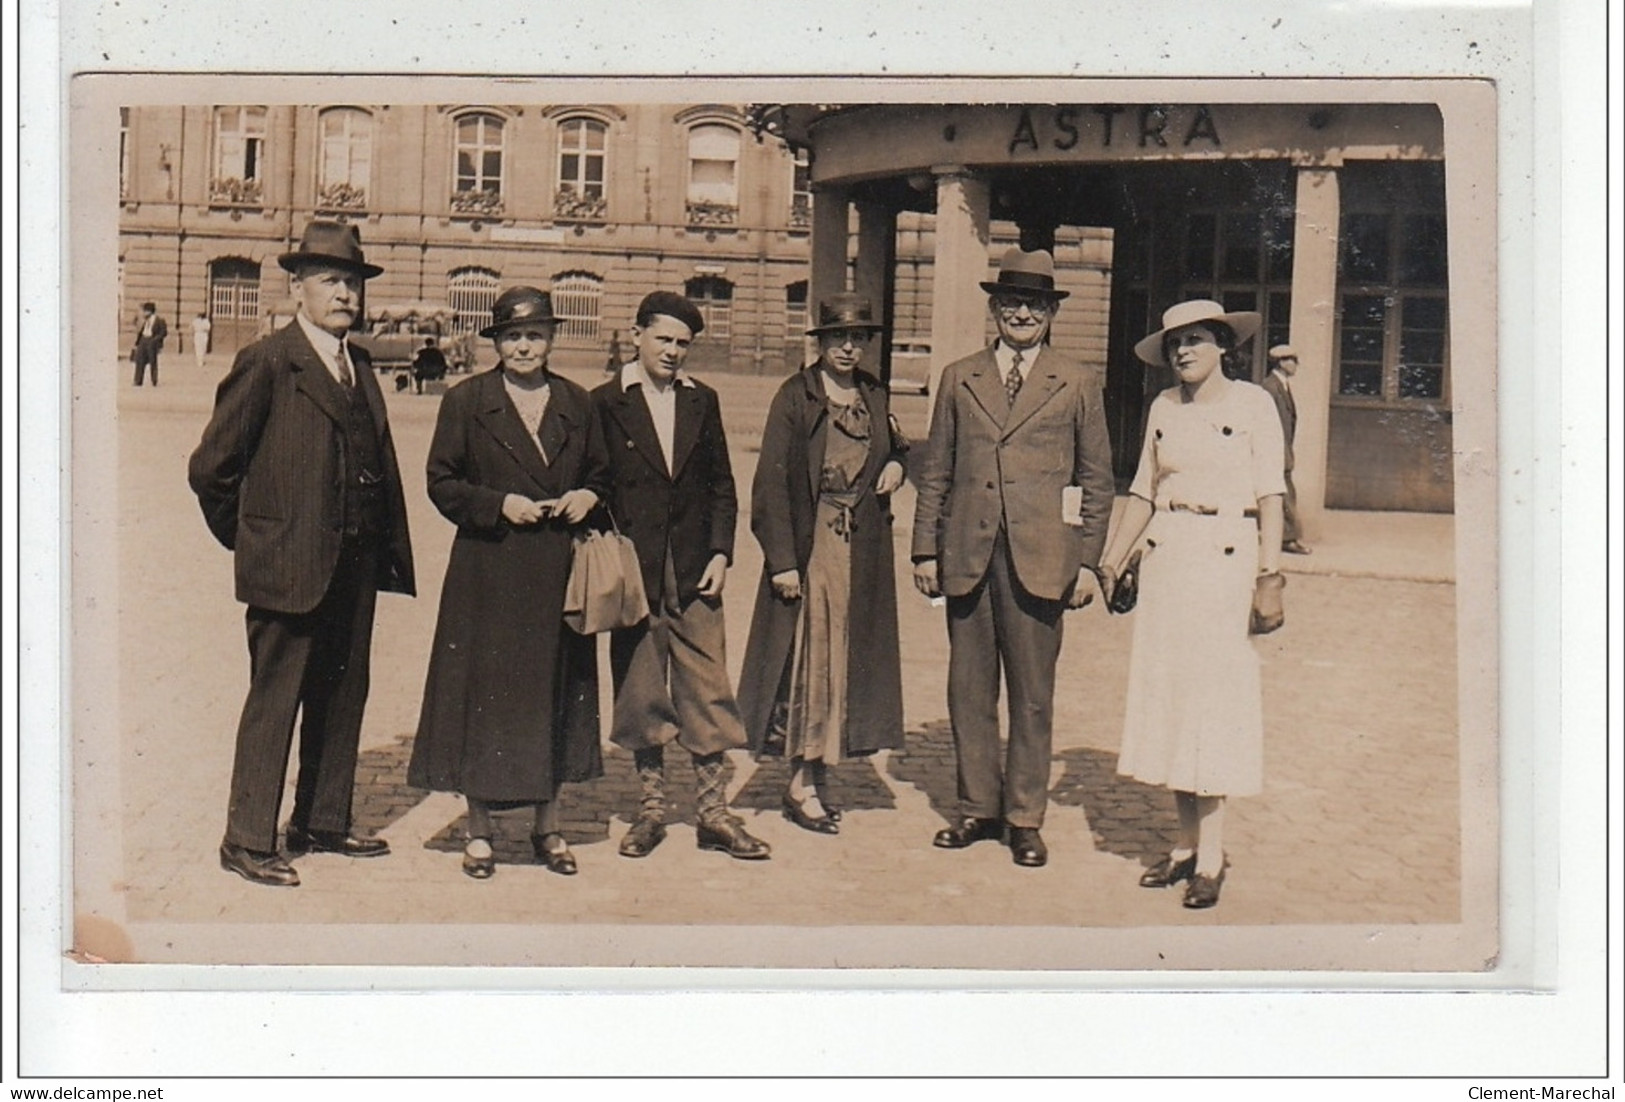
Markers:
(1031, 274)
(845, 311)
(1243, 323)
(334, 244)
(518, 305)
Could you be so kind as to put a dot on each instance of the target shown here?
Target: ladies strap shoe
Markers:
(818, 824)
(1203, 890)
(1168, 871)
(479, 867)
(552, 851)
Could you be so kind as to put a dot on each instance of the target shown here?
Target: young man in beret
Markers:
(296, 474)
(673, 495)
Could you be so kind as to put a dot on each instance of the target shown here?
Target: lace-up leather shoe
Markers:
(645, 835)
(302, 841)
(261, 868)
(967, 831)
(728, 835)
(1027, 849)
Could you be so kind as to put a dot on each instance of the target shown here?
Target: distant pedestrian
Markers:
(510, 707)
(1283, 366)
(296, 474)
(1209, 487)
(620, 351)
(201, 327)
(822, 678)
(672, 493)
(150, 331)
(429, 365)
(1015, 494)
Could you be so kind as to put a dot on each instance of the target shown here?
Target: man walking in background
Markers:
(1284, 365)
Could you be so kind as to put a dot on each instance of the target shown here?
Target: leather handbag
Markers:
(605, 590)
(1127, 590)
(1268, 612)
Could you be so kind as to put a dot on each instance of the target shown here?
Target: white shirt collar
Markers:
(633, 374)
(1004, 356)
(320, 339)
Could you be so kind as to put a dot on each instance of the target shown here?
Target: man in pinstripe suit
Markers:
(296, 474)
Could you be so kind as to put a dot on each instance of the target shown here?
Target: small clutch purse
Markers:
(1127, 589)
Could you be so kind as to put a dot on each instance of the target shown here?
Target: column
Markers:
(958, 304)
(875, 276)
(828, 244)
(1314, 315)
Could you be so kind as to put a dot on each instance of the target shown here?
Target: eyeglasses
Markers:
(1012, 304)
(838, 337)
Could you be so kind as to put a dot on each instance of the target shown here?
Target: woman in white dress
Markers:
(1207, 499)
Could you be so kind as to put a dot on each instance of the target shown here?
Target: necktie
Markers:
(1012, 379)
(343, 363)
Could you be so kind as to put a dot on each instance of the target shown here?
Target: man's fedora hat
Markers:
(845, 311)
(517, 305)
(1026, 273)
(671, 305)
(1243, 323)
(331, 243)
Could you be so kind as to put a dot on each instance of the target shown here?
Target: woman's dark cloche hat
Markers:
(330, 243)
(845, 311)
(1026, 273)
(672, 305)
(517, 305)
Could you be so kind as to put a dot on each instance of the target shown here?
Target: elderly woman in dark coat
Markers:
(822, 678)
(510, 710)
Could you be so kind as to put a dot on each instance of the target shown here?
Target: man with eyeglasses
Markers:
(1015, 494)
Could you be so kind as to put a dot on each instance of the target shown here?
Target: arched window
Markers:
(576, 299)
(471, 292)
(795, 309)
(239, 156)
(714, 296)
(477, 167)
(713, 175)
(344, 165)
(582, 151)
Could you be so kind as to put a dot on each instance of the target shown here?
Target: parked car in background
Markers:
(911, 365)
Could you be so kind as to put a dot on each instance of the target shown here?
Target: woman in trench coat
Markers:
(510, 710)
(822, 679)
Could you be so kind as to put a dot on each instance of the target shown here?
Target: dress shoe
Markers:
(967, 831)
(1293, 547)
(1168, 871)
(302, 841)
(1027, 849)
(552, 851)
(727, 834)
(479, 866)
(261, 868)
(818, 824)
(1203, 890)
(647, 832)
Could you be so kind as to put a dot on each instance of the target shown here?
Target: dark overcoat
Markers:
(690, 510)
(271, 468)
(784, 508)
(510, 708)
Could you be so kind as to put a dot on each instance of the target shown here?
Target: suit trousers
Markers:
(671, 678)
(146, 355)
(1000, 626)
(315, 666)
(1290, 531)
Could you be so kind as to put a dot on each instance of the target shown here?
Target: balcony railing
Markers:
(484, 204)
(703, 213)
(572, 206)
(341, 196)
(232, 192)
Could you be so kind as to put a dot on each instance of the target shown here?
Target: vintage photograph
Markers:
(564, 523)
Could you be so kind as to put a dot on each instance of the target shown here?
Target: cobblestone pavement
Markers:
(1359, 823)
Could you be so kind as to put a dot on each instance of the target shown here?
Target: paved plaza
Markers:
(1359, 825)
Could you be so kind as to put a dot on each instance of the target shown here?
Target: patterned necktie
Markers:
(1012, 379)
(343, 363)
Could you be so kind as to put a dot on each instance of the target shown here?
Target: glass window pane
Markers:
(569, 168)
(1365, 248)
(1364, 310)
(1278, 248)
(1424, 257)
(1200, 241)
(1241, 232)
(1421, 381)
(594, 136)
(1362, 344)
(1421, 347)
(492, 167)
(1363, 380)
(1425, 313)
(1239, 300)
(595, 170)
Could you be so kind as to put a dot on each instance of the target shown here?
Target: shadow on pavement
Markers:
(1126, 818)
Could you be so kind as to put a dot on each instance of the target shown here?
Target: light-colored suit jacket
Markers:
(988, 465)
